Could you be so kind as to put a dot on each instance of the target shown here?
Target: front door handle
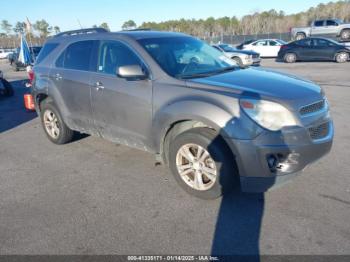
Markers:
(99, 86)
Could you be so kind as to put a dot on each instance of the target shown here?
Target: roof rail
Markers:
(138, 29)
(82, 31)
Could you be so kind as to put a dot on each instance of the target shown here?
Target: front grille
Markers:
(256, 56)
(313, 107)
(319, 132)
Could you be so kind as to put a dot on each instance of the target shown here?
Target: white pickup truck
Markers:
(326, 27)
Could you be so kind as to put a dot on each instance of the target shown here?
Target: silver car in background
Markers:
(242, 57)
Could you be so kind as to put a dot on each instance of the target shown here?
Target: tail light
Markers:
(284, 47)
(29, 102)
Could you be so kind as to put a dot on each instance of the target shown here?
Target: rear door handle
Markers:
(99, 86)
(58, 77)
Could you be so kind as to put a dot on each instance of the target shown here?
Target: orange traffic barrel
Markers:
(29, 102)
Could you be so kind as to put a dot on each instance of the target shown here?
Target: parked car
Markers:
(325, 27)
(314, 49)
(209, 120)
(265, 47)
(4, 53)
(18, 65)
(242, 57)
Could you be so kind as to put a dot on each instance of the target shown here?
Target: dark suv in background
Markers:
(196, 110)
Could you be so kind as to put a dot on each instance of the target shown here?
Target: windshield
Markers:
(228, 48)
(186, 57)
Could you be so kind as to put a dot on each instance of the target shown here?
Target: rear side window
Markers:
(319, 23)
(304, 42)
(77, 56)
(45, 51)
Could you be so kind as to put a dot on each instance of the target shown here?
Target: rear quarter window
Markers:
(77, 56)
(45, 51)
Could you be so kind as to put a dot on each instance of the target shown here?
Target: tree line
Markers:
(271, 21)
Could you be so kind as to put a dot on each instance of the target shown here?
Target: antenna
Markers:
(79, 23)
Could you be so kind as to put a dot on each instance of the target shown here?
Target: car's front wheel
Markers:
(202, 163)
(290, 58)
(238, 61)
(342, 57)
(56, 130)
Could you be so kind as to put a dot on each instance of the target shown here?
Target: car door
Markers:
(122, 108)
(323, 49)
(332, 27)
(274, 48)
(319, 28)
(304, 49)
(70, 75)
(261, 47)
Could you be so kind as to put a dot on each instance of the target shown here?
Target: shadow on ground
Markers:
(12, 111)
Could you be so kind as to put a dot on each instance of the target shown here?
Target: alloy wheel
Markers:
(196, 167)
(51, 124)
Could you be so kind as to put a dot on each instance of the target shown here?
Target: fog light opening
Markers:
(273, 163)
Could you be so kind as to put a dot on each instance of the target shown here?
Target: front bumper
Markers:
(273, 158)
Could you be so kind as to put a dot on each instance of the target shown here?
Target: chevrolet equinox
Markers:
(212, 122)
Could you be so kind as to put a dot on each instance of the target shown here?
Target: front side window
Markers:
(186, 57)
(113, 55)
(77, 56)
(331, 23)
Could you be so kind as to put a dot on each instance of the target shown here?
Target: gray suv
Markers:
(215, 125)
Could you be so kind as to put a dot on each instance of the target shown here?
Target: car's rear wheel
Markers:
(342, 57)
(300, 36)
(290, 58)
(345, 34)
(202, 163)
(238, 61)
(54, 127)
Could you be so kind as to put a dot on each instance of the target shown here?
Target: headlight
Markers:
(269, 115)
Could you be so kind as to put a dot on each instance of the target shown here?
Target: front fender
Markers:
(229, 124)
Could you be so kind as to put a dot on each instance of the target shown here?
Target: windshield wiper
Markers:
(205, 74)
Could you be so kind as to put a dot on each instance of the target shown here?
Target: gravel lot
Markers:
(95, 197)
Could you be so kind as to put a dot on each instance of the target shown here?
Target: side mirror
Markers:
(131, 72)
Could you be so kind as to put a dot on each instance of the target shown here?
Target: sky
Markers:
(67, 13)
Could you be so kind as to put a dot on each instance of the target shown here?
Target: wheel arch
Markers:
(215, 118)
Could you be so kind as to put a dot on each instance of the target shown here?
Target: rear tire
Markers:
(345, 34)
(211, 172)
(55, 128)
(290, 58)
(342, 57)
(300, 36)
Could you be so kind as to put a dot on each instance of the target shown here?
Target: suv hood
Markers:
(263, 83)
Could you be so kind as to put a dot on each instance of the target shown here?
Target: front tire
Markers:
(202, 163)
(55, 128)
(290, 58)
(238, 61)
(342, 57)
